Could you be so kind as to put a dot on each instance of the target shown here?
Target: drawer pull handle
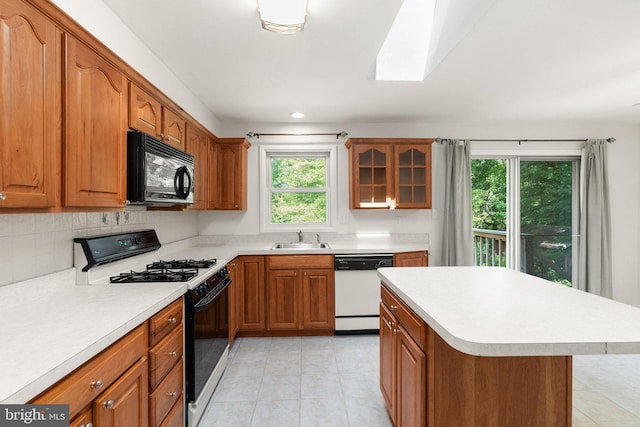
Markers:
(172, 394)
(172, 354)
(108, 404)
(172, 320)
(97, 384)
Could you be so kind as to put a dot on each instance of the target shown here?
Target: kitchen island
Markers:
(474, 346)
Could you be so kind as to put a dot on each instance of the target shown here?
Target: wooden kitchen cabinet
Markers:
(149, 115)
(411, 259)
(230, 184)
(300, 293)
(197, 146)
(250, 278)
(403, 362)
(166, 369)
(125, 401)
(30, 96)
(389, 173)
(173, 129)
(145, 112)
(95, 129)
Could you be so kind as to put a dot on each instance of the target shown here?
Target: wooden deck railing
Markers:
(490, 247)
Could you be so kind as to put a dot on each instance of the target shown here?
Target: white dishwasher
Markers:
(358, 292)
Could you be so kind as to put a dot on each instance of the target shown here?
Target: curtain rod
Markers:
(609, 140)
(338, 135)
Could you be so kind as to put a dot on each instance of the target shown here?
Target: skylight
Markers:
(403, 55)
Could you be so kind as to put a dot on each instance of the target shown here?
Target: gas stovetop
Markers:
(165, 271)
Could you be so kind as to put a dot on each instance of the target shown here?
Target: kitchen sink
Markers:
(301, 245)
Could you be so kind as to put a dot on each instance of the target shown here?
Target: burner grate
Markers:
(156, 275)
(183, 263)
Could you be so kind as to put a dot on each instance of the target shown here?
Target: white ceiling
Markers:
(522, 60)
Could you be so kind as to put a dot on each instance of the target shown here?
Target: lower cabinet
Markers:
(403, 362)
(300, 293)
(131, 383)
(250, 293)
(411, 259)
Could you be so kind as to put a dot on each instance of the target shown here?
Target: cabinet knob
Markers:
(108, 404)
(305, 273)
(172, 394)
(396, 331)
(172, 320)
(172, 354)
(87, 425)
(393, 307)
(97, 384)
(2, 196)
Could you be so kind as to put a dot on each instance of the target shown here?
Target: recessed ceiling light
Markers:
(297, 115)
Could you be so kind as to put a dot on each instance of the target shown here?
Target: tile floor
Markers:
(333, 381)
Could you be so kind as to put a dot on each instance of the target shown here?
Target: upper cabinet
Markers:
(387, 173)
(230, 190)
(95, 129)
(30, 105)
(147, 114)
(197, 146)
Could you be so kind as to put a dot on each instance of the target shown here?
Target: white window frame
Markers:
(268, 151)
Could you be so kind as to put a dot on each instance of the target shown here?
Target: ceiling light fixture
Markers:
(297, 115)
(283, 16)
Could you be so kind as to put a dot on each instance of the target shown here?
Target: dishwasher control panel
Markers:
(362, 262)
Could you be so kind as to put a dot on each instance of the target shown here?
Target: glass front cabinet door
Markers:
(389, 173)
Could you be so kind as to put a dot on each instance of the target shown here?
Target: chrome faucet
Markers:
(299, 236)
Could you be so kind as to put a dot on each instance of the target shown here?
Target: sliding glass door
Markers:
(525, 215)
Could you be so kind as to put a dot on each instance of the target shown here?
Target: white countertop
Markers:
(493, 311)
(51, 326)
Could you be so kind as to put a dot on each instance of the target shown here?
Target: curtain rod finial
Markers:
(611, 139)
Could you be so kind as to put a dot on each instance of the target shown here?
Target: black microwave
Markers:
(157, 173)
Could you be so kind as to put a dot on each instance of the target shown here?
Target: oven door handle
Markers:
(212, 295)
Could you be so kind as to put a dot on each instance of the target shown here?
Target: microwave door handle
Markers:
(178, 182)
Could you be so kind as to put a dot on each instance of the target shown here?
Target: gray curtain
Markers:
(458, 233)
(594, 273)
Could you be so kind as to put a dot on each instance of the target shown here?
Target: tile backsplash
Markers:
(33, 245)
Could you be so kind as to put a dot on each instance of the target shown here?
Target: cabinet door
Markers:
(145, 112)
(318, 299)
(197, 146)
(251, 293)
(413, 176)
(412, 382)
(411, 259)
(96, 130)
(231, 174)
(125, 402)
(282, 299)
(173, 129)
(388, 360)
(30, 105)
(372, 176)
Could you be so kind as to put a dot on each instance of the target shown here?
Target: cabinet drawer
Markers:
(175, 417)
(91, 379)
(83, 419)
(300, 261)
(166, 395)
(410, 321)
(162, 323)
(163, 356)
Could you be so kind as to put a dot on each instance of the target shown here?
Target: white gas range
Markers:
(125, 259)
